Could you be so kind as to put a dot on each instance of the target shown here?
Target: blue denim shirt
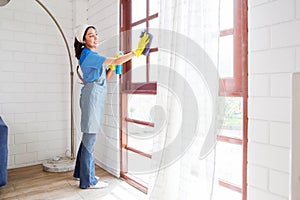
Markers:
(91, 64)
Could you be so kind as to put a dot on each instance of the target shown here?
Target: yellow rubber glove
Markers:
(113, 67)
(142, 44)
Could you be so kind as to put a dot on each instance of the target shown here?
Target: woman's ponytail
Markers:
(78, 48)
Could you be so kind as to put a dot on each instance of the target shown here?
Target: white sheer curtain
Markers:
(187, 92)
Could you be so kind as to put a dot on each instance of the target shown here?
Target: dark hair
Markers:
(78, 45)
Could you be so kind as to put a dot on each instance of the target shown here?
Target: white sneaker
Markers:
(99, 185)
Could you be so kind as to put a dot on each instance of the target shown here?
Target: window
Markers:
(232, 141)
(139, 86)
(138, 90)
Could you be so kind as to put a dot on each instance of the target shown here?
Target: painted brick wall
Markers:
(274, 29)
(104, 14)
(34, 80)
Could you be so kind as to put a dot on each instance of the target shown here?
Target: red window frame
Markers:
(237, 86)
(128, 87)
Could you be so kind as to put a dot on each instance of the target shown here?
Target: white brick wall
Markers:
(278, 136)
(274, 29)
(34, 80)
(259, 18)
(258, 177)
(272, 60)
(286, 34)
(259, 131)
(263, 40)
(277, 177)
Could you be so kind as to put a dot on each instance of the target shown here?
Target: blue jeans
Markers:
(85, 164)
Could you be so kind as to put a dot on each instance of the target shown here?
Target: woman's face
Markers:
(91, 38)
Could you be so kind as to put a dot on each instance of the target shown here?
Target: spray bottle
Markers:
(119, 67)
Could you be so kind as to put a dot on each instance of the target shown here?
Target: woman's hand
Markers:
(142, 44)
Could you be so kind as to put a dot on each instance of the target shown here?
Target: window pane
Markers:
(154, 23)
(140, 137)
(137, 164)
(226, 56)
(136, 33)
(139, 70)
(138, 10)
(153, 66)
(138, 64)
(233, 117)
(229, 163)
(226, 14)
(139, 107)
(222, 193)
(141, 27)
(154, 5)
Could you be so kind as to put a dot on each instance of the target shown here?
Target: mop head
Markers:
(147, 48)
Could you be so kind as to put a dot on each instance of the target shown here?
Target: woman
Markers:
(93, 96)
